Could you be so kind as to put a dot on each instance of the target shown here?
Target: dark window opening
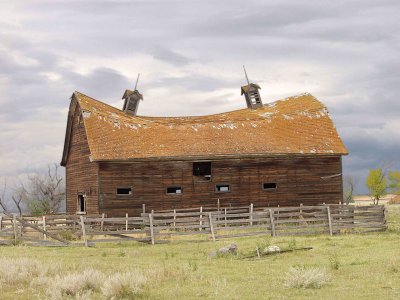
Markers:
(202, 169)
(81, 203)
(174, 190)
(222, 188)
(124, 191)
(269, 185)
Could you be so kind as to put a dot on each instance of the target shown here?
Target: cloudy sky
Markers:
(190, 56)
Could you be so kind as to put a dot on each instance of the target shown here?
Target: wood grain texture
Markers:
(298, 181)
(81, 174)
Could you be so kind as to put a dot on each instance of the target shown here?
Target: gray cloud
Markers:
(190, 55)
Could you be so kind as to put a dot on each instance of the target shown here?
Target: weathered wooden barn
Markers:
(283, 153)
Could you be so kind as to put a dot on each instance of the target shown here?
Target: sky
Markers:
(189, 55)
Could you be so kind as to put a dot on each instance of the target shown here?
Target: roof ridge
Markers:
(155, 118)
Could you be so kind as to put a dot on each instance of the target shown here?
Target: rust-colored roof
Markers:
(298, 125)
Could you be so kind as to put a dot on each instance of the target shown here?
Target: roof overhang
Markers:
(220, 157)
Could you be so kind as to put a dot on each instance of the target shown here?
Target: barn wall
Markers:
(299, 181)
(81, 174)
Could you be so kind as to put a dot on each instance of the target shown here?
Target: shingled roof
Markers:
(298, 125)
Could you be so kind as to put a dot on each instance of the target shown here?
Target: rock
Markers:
(272, 249)
(228, 249)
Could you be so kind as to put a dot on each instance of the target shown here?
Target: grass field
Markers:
(352, 267)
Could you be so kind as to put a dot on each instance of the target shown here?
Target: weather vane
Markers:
(137, 80)
(245, 73)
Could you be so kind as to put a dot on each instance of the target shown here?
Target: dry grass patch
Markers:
(20, 271)
(124, 285)
(306, 278)
(75, 285)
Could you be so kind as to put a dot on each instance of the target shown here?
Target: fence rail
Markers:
(211, 223)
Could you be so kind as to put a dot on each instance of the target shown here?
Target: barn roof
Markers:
(298, 125)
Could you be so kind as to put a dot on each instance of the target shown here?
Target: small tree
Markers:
(394, 178)
(348, 189)
(19, 197)
(377, 184)
(45, 193)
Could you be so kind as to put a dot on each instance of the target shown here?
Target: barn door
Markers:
(81, 207)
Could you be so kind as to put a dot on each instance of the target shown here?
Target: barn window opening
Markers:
(174, 190)
(81, 203)
(124, 191)
(222, 188)
(202, 169)
(269, 186)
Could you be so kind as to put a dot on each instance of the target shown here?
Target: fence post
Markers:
(384, 216)
(15, 228)
(251, 214)
(201, 218)
(144, 208)
(211, 227)
(151, 228)
(271, 217)
(1, 222)
(126, 222)
(329, 220)
(102, 222)
(174, 218)
(225, 216)
(278, 213)
(44, 227)
(84, 231)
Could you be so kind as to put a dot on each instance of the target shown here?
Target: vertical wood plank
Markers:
(44, 227)
(144, 208)
(271, 217)
(251, 214)
(277, 217)
(15, 229)
(328, 209)
(384, 216)
(102, 222)
(225, 216)
(211, 226)
(201, 218)
(151, 228)
(126, 222)
(174, 218)
(84, 231)
(1, 222)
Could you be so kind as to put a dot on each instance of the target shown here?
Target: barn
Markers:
(282, 153)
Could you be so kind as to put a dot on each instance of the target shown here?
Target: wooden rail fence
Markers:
(202, 222)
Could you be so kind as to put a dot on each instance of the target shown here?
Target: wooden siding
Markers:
(298, 181)
(81, 174)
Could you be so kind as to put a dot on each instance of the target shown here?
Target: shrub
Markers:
(292, 244)
(75, 284)
(124, 285)
(23, 270)
(334, 261)
(302, 277)
(68, 235)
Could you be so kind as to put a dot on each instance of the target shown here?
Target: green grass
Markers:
(359, 267)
